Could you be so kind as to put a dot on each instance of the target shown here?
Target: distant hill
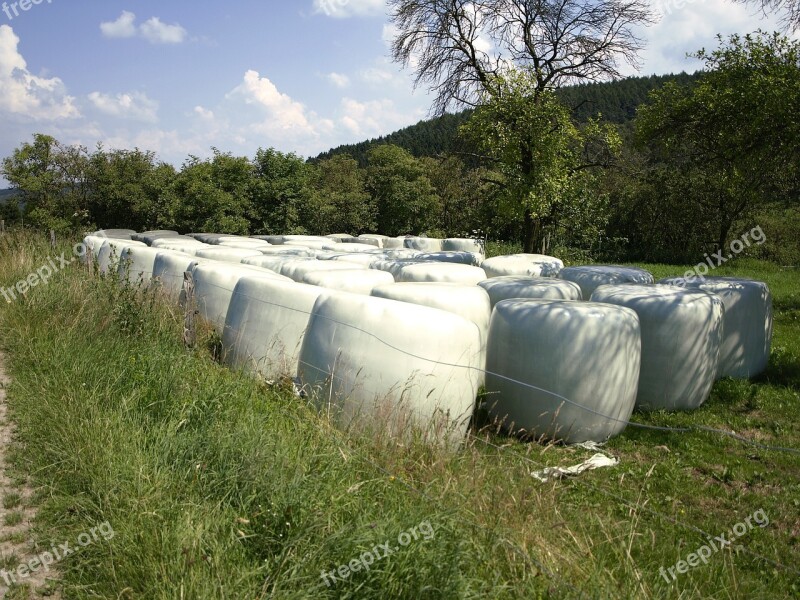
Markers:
(616, 101)
(8, 194)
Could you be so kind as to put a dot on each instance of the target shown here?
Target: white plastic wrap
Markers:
(590, 277)
(355, 281)
(298, 269)
(532, 288)
(110, 252)
(364, 247)
(472, 246)
(531, 265)
(681, 337)
(176, 241)
(136, 264)
(229, 255)
(169, 268)
(265, 325)
(746, 326)
(214, 283)
(423, 243)
(394, 265)
(273, 263)
(563, 370)
(148, 236)
(461, 258)
(362, 360)
(442, 272)
(283, 251)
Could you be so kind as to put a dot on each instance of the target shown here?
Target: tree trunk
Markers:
(531, 233)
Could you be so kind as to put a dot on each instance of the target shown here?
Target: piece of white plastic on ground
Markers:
(298, 269)
(562, 370)
(354, 280)
(266, 322)
(423, 243)
(442, 272)
(110, 252)
(169, 268)
(136, 264)
(590, 277)
(214, 283)
(746, 326)
(531, 265)
(548, 288)
(361, 361)
(597, 461)
(230, 255)
(462, 258)
(681, 338)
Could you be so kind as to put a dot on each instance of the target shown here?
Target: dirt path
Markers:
(21, 573)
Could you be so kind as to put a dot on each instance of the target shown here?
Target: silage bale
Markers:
(355, 281)
(590, 277)
(441, 272)
(530, 265)
(462, 258)
(298, 269)
(532, 288)
(423, 243)
(228, 255)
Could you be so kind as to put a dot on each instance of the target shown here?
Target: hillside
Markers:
(616, 101)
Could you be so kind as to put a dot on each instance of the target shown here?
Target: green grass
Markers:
(218, 486)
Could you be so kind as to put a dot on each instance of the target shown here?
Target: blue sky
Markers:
(180, 77)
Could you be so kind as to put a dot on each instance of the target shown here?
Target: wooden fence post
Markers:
(189, 331)
(2, 226)
(52, 238)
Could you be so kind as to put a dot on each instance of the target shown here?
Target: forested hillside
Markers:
(614, 101)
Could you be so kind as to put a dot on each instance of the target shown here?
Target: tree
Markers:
(789, 10)
(732, 138)
(211, 195)
(557, 41)
(538, 46)
(280, 194)
(406, 200)
(341, 202)
(53, 180)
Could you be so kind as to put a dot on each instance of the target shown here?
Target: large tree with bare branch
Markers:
(467, 51)
(788, 10)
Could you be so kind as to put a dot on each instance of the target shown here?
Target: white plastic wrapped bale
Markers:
(681, 337)
(373, 239)
(206, 238)
(354, 248)
(562, 370)
(461, 258)
(401, 253)
(442, 272)
(180, 241)
(394, 243)
(394, 265)
(590, 277)
(424, 244)
(531, 288)
(110, 252)
(136, 264)
(245, 245)
(231, 255)
(275, 240)
(214, 283)
(313, 244)
(283, 251)
(266, 322)
(746, 326)
(185, 249)
(92, 243)
(339, 238)
(298, 269)
(273, 263)
(355, 281)
(530, 265)
(463, 245)
(148, 236)
(468, 301)
(119, 234)
(361, 360)
(168, 270)
(364, 259)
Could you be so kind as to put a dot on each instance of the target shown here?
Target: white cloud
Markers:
(153, 30)
(135, 105)
(339, 80)
(204, 113)
(123, 27)
(282, 112)
(156, 32)
(374, 117)
(376, 75)
(26, 95)
(342, 9)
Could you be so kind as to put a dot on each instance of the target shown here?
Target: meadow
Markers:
(218, 485)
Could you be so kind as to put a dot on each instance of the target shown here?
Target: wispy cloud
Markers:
(153, 30)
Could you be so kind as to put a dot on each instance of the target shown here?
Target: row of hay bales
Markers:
(407, 330)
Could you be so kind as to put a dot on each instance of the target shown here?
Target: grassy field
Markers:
(219, 486)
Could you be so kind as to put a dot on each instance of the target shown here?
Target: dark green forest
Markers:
(661, 168)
